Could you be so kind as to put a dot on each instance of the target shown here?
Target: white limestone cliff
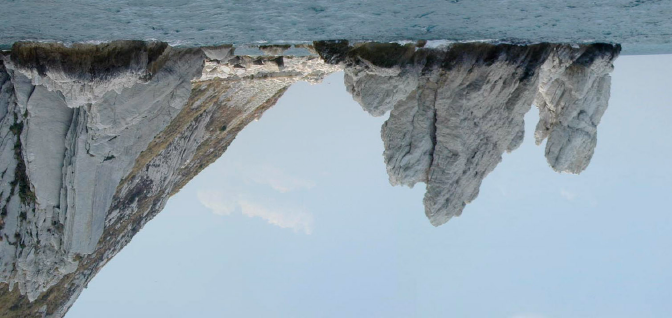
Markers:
(68, 146)
(573, 95)
(455, 111)
(83, 75)
(94, 139)
(90, 157)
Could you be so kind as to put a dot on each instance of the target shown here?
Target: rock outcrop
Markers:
(96, 138)
(455, 110)
(573, 95)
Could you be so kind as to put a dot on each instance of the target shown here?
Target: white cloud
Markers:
(225, 203)
(214, 201)
(569, 195)
(278, 179)
(293, 218)
(242, 191)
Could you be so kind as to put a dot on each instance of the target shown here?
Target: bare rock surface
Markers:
(573, 95)
(455, 110)
(94, 139)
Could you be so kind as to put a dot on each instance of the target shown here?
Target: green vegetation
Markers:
(20, 176)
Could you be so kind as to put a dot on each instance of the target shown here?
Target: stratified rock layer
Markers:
(454, 111)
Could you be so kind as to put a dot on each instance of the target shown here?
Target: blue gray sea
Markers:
(641, 26)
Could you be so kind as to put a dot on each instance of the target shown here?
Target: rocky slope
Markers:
(455, 111)
(95, 139)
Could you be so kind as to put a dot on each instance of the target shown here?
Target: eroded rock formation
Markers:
(573, 95)
(94, 139)
(455, 110)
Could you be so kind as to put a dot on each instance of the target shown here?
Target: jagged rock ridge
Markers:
(454, 111)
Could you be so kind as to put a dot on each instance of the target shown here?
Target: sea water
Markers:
(642, 26)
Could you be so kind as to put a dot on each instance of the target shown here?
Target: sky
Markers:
(298, 219)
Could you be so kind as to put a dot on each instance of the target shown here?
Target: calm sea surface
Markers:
(642, 26)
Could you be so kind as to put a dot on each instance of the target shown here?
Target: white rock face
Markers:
(109, 135)
(573, 95)
(95, 139)
(89, 158)
(83, 75)
(78, 128)
(30, 250)
(455, 111)
(279, 68)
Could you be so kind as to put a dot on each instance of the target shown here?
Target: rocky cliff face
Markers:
(96, 138)
(573, 95)
(454, 111)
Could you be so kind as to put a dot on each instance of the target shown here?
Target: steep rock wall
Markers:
(95, 150)
(455, 110)
(573, 95)
(94, 139)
